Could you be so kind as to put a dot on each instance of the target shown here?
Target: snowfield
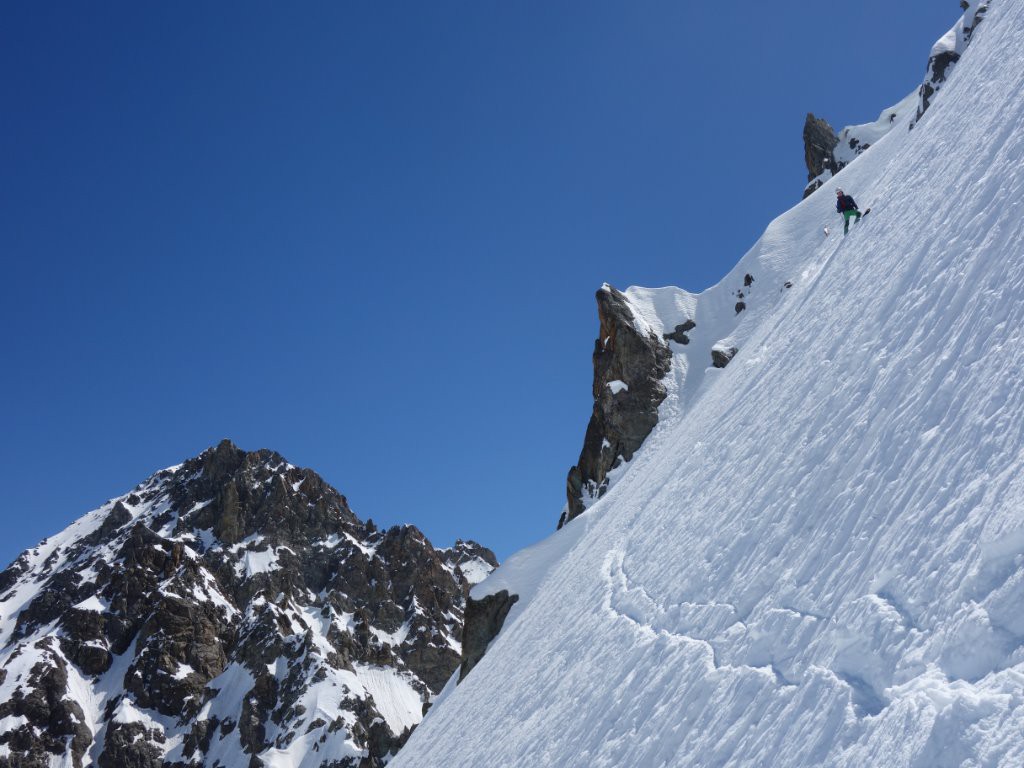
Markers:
(817, 557)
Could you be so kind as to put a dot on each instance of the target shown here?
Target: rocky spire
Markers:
(628, 367)
(819, 142)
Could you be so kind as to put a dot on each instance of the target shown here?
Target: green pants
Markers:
(847, 215)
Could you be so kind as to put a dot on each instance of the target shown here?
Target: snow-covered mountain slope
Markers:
(230, 611)
(817, 556)
(828, 153)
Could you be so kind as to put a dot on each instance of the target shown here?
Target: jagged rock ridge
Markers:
(231, 611)
(826, 153)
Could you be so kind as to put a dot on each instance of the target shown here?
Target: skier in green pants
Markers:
(847, 208)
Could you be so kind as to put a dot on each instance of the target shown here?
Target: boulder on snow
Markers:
(484, 620)
(721, 356)
(679, 334)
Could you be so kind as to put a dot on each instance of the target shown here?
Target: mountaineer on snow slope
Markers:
(846, 207)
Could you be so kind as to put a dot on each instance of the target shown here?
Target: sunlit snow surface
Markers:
(817, 558)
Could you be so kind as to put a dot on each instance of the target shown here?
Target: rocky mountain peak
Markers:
(229, 611)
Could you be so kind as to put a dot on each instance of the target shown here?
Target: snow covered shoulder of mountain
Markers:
(230, 611)
(816, 558)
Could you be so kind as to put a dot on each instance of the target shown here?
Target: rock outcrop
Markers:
(721, 356)
(819, 142)
(629, 363)
(484, 620)
(225, 610)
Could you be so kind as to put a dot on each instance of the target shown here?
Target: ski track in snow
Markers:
(817, 558)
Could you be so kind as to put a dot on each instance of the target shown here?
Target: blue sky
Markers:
(368, 235)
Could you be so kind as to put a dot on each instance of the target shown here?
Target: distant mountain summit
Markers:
(230, 611)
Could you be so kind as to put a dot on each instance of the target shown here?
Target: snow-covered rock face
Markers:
(231, 611)
(826, 153)
(816, 558)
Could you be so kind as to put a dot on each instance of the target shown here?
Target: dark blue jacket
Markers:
(845, 203)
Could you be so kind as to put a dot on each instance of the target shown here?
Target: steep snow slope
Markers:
(817, 558)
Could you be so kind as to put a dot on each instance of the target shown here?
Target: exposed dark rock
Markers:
(819, 141)
(467, 554)
(252, 726)
(178, 634)
(130, 745)
(14, 572)
(740, 306)
(679, 334)
(938, 66)
(54, 599)
(118, 517)
(620, 422)
(484, 620)
(720, 357)
(971, 25)
(54, 723)
(84, 641)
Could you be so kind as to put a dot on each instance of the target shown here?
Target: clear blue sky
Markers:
(367, 235)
